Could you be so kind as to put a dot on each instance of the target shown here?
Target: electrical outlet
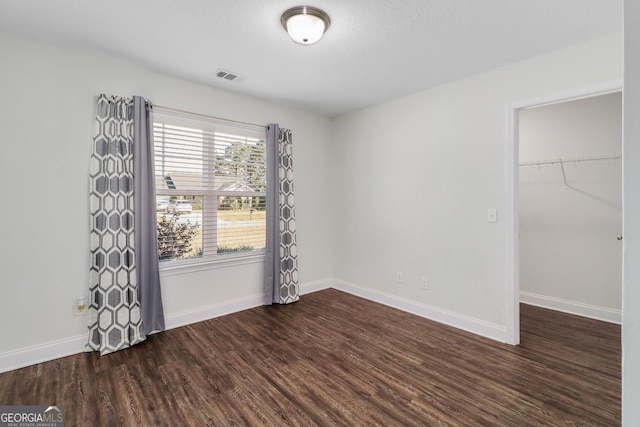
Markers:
(80, 306)
(399, 277)
(424, 284)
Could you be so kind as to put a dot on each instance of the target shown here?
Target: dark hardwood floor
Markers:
(336, 359)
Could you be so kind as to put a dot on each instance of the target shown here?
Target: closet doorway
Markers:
(567, 205)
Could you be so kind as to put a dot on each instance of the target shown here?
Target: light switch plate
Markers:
(492, 215)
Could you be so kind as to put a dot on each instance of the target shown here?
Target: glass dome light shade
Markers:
(305, 29)
(305, 24)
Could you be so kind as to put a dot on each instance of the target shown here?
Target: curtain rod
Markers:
(175, 110)
(565, 161)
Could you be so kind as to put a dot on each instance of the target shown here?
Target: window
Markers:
(210, 189)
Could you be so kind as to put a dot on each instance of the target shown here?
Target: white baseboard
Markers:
(212, 311)
(572, 307)
(66, 347)
(466, 323)
(28, 356)
(315, 286)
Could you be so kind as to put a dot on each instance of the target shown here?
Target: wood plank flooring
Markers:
(336, 359)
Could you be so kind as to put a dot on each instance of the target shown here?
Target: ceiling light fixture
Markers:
(305, 24)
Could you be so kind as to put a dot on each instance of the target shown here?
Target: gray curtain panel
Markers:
(146, 232)
(114, 311)
(281, 255)
(125, 303)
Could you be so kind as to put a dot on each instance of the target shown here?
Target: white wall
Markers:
(47, 113)
(568, 246)
(400, 186)
(417, 174)
(631, 203)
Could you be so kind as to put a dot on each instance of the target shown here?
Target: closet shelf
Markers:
(536, 163)
(563, 162)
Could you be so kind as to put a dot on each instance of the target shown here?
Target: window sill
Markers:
(176, 268)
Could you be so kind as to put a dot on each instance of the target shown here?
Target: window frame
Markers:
(209, 195)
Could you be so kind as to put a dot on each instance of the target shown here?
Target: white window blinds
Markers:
(210, 188)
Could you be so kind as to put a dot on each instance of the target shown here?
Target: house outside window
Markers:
(210, 190)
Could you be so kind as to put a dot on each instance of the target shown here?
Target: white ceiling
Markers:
(375, 50)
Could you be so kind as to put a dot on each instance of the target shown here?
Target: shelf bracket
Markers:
(564, 174)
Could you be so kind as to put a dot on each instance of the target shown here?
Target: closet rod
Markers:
(175, 110)
(565, 161)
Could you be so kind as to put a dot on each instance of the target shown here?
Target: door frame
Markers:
(512, 212)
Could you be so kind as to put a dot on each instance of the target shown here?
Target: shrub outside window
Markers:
(210, 189)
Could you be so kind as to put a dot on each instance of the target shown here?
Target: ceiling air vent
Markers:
(228, 75)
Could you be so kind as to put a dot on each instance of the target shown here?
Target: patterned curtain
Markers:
(281, 258)
(114, 310)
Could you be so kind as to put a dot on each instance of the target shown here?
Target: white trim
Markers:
(32, 355)
(598, 89)
(512, 221)
(572, 307)
(40, 353)
(173, 268)
(315, 286)
(466, 323)
(212, 311)
(512, 216)
(66, 347)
